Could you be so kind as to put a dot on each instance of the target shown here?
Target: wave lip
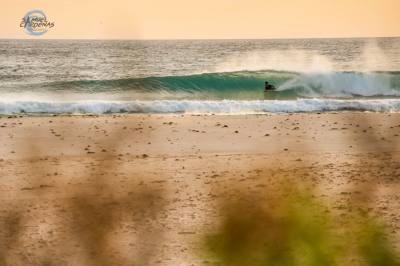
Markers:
(198, 107)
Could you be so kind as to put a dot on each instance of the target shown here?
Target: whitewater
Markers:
(201, 77)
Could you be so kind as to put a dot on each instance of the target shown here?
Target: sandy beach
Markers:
(142, 189)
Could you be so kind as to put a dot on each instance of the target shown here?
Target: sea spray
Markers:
(204, 76)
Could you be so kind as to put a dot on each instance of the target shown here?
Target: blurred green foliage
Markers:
(295, 229)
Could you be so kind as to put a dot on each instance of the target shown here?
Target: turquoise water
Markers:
(58, 76)
(245, 85)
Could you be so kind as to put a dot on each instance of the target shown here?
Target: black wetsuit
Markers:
(269, 87)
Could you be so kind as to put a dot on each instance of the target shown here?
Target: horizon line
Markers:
(198, 39)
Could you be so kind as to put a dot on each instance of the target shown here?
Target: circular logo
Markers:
(35, 23)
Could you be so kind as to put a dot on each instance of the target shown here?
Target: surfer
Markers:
(268, 87)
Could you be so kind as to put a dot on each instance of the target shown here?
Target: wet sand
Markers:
(142, 189)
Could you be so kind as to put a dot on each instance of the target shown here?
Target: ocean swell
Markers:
(242, 85)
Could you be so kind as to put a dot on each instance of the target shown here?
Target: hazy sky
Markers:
(171, 19)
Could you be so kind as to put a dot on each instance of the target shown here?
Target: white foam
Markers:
(342, 84)
(202, 107)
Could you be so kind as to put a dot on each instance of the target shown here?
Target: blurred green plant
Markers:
(374, 245)
(294, 229)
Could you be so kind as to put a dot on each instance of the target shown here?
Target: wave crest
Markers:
(242, 85)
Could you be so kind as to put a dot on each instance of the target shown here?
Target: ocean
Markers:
(199, 76)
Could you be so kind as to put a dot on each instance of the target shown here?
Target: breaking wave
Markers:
(241, 85)
(239, 92)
